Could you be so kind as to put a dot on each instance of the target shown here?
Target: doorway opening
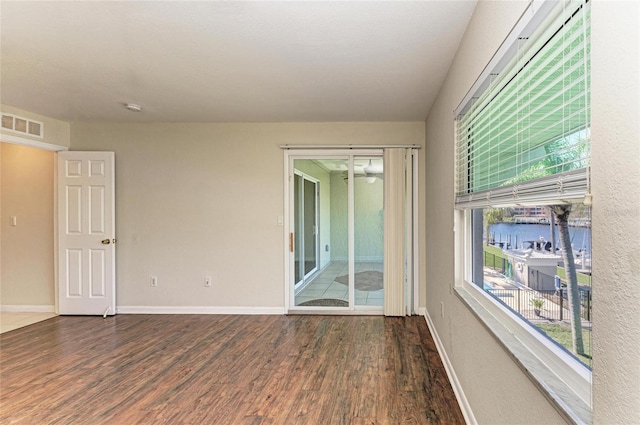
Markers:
(27, 235)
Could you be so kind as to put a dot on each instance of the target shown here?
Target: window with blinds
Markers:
(524, 136)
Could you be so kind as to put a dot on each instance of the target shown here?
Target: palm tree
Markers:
(561, 155)
(561, 213)
(491, 216)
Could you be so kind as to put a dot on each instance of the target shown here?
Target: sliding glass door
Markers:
(336, 234)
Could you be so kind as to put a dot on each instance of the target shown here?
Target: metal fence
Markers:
(535, 303)
(554, 304)
(495, 262)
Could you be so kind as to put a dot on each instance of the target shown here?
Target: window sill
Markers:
(548, 366)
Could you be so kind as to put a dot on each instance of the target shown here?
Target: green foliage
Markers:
(566, 154)
(537, 302)
(583, 279)
(561, 333)
(560, 155)
(492, 215)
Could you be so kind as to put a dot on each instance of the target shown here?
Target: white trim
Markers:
(351, 232)
(288, 189)
(564, 365)
(416, 234)
(469, 417)
(349, 147)
(56, 237)
(200, 310)
(16, 140)
(28, 308)
(535, 360)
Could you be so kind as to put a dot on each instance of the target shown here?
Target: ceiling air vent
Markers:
(22, 125)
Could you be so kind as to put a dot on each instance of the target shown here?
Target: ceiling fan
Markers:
(369, 173)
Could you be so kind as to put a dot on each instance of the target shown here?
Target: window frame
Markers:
(561, 377)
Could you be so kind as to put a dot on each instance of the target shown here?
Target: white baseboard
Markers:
(28, 308)
(457, 387)
(131, 309)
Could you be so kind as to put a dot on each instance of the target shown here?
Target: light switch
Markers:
(14, 220)
(280, 220)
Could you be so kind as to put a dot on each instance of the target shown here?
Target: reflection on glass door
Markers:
(310, 226)
(368, 199)
(317, 287)
(305, 235)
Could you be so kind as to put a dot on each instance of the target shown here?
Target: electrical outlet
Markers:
(207, 282)
(154, 281)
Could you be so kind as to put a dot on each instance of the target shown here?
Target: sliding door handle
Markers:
(291, 242)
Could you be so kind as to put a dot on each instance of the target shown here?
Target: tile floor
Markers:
(324, 285)
(10, 320)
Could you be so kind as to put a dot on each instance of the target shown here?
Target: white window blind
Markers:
(526, 137)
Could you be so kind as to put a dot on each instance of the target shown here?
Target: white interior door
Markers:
(86, 233)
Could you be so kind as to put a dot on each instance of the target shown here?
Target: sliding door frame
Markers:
(289, 261)
(292, 152)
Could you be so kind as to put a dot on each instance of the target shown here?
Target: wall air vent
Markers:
(22, 125)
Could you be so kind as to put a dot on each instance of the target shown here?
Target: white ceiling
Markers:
(228, 61)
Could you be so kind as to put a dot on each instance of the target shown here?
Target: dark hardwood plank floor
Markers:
(207, 369)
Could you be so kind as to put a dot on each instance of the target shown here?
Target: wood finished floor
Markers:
(204, 369)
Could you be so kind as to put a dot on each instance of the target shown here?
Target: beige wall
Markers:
(196, 200)
(615, 115)
(55, 132)
(27, 270)
(497, 390)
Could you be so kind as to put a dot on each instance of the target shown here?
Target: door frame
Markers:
(21, 141)
(289, 170)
